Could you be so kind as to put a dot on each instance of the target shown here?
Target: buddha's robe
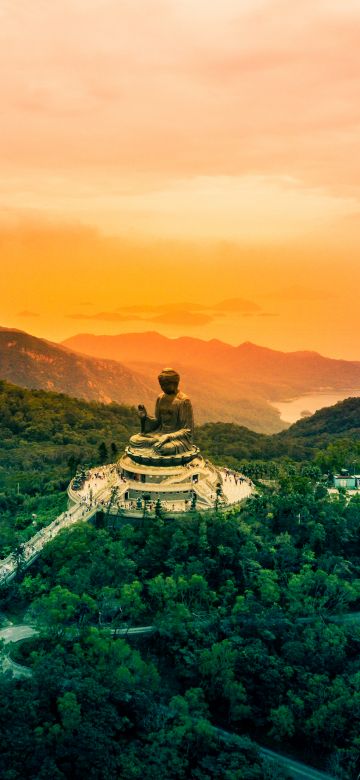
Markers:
(174, 418)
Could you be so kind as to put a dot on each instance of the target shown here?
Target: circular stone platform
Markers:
(127, 486)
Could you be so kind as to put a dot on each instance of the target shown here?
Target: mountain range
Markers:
(300, 441)
(255, 371)
(226, 383)
(42, 365)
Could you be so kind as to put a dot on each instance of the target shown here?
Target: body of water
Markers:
(294, 410)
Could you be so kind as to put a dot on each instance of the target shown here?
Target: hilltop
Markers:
(44, 434)
(244, 609)
(300, 441)
(39, 364)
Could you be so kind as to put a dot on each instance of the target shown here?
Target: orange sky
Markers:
(182, 152)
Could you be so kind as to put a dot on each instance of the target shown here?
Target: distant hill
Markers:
(257, 372)
(299, 442)
(343, 417)
(224, 382)
(340, 420)
(55, 420)
(43, 435)
(36, 363)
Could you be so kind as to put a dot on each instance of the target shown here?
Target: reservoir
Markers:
(296, 408)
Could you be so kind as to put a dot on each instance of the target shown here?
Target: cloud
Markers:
(26, 313)
(230, 305)
(182, 318)
(176, 317)
(184, 314)
(269, 87)
(106, 316)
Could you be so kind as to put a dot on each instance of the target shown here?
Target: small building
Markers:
(347, 481)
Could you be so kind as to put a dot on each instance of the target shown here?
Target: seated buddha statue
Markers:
(170, 431)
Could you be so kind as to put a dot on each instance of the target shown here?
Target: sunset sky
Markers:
(183, 166)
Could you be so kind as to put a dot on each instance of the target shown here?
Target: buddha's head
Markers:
(169, 381)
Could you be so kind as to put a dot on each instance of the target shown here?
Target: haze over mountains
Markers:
(226, 383)
(257, 371)
(41, 365)
(256, 375)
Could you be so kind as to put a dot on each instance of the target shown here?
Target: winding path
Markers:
(296, 769)
(16, 633)
(32, 549)
(9, 635)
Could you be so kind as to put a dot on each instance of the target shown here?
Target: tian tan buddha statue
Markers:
(170, 432)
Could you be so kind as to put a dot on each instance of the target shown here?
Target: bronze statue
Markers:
(170, 432)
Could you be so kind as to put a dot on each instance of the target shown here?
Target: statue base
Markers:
(170, 480)
(147, 457)
(129, 489)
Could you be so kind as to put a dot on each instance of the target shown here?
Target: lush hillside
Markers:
(47, 433)
(36, 363)
(336, 427)
(247, 607)
(341, 419)
(254, 370)
(249, 637)
(44, 436)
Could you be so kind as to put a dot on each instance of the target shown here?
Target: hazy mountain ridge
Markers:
(227, 384)
(40, 364)
(257, 371)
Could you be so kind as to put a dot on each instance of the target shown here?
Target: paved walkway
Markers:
(235, 486)
(15, 634)
(82, 511)
(296, 769)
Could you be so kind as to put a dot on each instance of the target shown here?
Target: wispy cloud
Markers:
(106, 316)
(26, 313)
(236, 305)
(184, 318)
(265, 85)
(183, 314)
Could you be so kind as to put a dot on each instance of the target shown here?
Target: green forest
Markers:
(254, 610)
(46, 436)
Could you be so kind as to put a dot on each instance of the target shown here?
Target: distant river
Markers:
(291, 411)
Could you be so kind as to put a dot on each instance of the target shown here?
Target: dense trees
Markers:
(249, 607)
(44, 438)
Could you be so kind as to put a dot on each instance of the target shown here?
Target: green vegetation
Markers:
(44, 438)
(248, 607)
(330, 439)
